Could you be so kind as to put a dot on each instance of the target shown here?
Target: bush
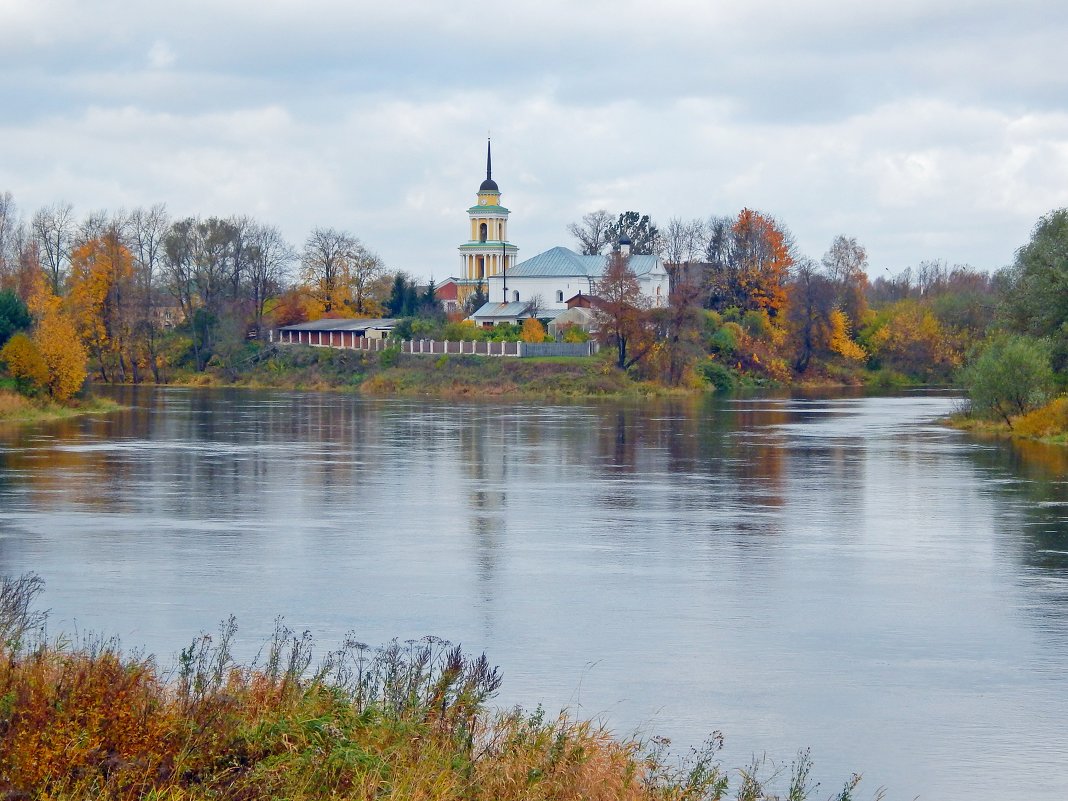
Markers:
(533, 330)
(573, 333)
(390, 356)
(1011, 376)
(725, 340)
(25, 364)
(756, 323)
(717, 374)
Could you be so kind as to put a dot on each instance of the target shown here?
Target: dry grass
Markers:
(1047, 422)
(13, 405)
(405, 721)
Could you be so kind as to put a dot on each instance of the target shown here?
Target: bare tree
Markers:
(365, 270)
(146, 234)
(53, 228)
(594, 233)
(535, 305)
(9, 221)
(683, 240)
(269, 256)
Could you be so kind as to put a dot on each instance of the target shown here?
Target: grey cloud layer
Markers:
(927, 130)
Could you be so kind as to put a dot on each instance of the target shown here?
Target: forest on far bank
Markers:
(136, 296)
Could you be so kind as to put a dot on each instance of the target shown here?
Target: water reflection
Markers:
(840, 573)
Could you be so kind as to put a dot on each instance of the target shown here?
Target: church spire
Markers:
(489, 185)
(489, 162)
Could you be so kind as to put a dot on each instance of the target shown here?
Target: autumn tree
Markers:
(533, 330)
(748, 263)
(56, 338)
(620, 312)
(643, 234)
(846, 265)
(594, 233)
(101, 277)
(678, 327)
(908, 337)
(25, 364)
(324, 266)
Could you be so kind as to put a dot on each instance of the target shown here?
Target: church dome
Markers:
(489, 185)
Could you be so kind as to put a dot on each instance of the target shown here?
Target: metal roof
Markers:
(561, 261)
(513, 309)
(334, 324)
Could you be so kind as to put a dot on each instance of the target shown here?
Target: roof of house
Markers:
(561, 261)
(513, 309)
(336, 324)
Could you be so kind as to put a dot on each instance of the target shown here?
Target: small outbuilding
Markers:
(338, 333)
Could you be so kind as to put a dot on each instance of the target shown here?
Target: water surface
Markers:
(836, 573)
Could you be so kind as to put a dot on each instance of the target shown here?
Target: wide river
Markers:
(843, 574)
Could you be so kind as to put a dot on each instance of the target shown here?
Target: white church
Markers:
(548, 280)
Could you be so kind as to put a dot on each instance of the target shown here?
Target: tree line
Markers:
(127, 281)
(746, 304)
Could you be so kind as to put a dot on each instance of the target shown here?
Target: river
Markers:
(836, 573)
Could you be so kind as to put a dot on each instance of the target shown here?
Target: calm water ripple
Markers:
(838, 573)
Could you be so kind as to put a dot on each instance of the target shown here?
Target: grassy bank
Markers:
(405, 721)
(16, 408)
(1047, 424)
(392, 373)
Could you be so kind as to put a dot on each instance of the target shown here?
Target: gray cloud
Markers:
(926, 130)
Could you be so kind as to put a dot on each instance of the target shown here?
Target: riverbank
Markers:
(404, 721)
(391, 373)
(18, 409)
(1048, 424)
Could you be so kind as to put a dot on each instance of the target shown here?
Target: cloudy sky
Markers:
(925, 128)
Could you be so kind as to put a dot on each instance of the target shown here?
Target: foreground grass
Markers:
(16, 408)
(406, 721)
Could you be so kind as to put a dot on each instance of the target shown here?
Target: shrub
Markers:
(25, 364)
(756, 323)
(725, 340)
(573, 333)
(390, 356)
(1011, 376)
(717, 374)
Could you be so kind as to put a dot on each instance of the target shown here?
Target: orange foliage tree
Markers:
(907, 336)
(749, 264)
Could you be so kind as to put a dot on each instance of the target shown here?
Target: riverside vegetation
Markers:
(405, 721)
(140, 297)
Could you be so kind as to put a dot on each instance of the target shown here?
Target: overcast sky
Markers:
(924, 128)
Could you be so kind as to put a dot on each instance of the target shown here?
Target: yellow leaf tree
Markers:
(533, 330)
(100, 274)
(25, 363)
(56, 338)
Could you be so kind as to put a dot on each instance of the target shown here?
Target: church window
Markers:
(515, 296)
(559, 296)
(481, 267)
(482, 232)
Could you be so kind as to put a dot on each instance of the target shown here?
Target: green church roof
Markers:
(490, 209)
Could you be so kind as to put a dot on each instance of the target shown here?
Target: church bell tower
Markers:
(488, 251)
